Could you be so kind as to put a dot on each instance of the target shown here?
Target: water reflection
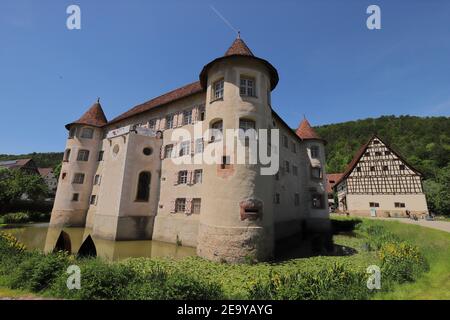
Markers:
(41, 237)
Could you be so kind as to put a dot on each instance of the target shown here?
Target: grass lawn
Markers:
(15, 294)
(435, 246)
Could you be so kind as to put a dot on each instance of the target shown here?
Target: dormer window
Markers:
(218, 90)
(87, 133)
(72, 132)
(247, 87)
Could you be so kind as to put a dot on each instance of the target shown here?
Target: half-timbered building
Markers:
(379, 182)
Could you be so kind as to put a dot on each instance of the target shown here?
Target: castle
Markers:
(120, 179)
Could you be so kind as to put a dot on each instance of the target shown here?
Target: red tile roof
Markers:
(44, 171)
(306, 132)
(164, 99)
(239, 48)
(332, 178)
(93, 117)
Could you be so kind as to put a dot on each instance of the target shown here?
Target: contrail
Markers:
(223, 18)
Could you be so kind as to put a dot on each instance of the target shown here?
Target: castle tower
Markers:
(78, 169)
(236, 222)
(315, 184)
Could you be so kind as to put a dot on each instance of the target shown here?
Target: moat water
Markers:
(42, 237)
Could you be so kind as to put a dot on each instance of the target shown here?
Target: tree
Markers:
(15, 183)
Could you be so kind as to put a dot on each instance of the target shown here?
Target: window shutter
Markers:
(172, 206)
(162, 124)
(175, 178)
(192, 147)
(175, 120)
(188, 208)
(194, 115)
(180, 119)
(99, 180)
(157, 124)
(162, 152)
(190, 177)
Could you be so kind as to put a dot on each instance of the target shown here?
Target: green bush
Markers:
(37, 272)
(17, 217)
(337, 282)
(401, 262)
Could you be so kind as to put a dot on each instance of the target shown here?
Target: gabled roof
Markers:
(164, 99)
(306, 132)
(93, 117)
(44, 171)
(240, 49)
(332, 178)
(361, 152)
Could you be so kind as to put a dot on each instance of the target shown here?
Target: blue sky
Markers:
(332, 68)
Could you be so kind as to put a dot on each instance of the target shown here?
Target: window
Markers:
(184, 148)
(317, 201)
(399, 205)
(187, 117)
(202, 114)
(63, 175)
(217, 128)
(372, 168)
(377, 153)
(247, 87)
(180, 205)
(218, 90)
(97, 179)
(182, 177)
(199, 145)
(402, 167)
(293, 147)
(83, 155)
(245, 124)
(387, 153)
(78, 178)
(276, 199)
(374, 204)
(316, 173)
(285, 142)
(152, 124)
(198, 176)
(376, 142)
(225, 162)
(143, 190)
(66, 155)
(100, 155)
(168, 151)
(93, 200)
(87, 133)
(296, 199)
(295, 170)
(287, 166)
(358, 169)
(367, 154)
(147, 151)
(315, 152)
(277, 176)
(196, 205)
(385, 168)
(75, 197)
(72, 132)
(169, 121)
(268, 97)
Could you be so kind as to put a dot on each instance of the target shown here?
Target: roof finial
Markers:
(239, 34)
(98, 99)
(304, 117)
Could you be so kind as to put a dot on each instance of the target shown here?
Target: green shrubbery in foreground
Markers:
(196, 278)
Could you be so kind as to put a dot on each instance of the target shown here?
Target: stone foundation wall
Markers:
(175, 228)
(68, 218)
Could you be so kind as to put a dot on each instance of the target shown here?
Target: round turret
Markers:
(79, 165)
(237, 223)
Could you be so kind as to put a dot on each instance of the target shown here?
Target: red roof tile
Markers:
(93, 117)
(166, 98)
(332, 178)
(239, 48)
(306, 132)
(44, 171)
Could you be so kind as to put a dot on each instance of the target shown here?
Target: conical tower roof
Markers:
(306, 132)
(93, 117)
(240, 49)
